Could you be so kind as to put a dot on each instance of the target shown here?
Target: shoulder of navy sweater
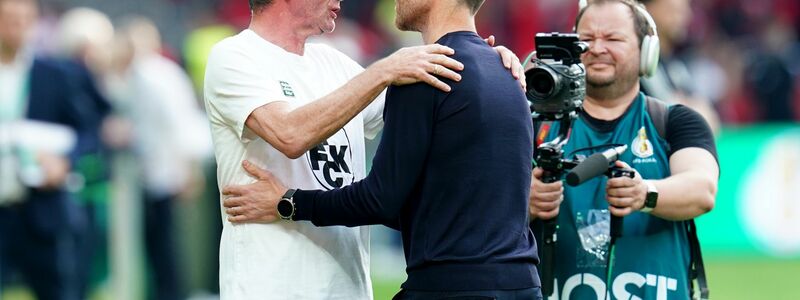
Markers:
(481, 61)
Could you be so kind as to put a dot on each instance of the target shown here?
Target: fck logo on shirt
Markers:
(331, 162)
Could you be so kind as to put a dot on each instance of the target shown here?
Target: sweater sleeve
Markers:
(409, 118)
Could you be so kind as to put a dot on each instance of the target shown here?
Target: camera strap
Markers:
(697, 270)
(658, 112)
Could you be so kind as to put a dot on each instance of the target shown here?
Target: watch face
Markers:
(285, 208)
(651, 200)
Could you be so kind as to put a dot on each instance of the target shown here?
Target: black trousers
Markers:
(160, 245)
(45, 260)
(522, 294)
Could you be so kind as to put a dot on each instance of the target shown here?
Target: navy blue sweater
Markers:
(452, 173)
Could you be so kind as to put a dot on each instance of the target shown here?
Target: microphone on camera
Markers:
(594, 165)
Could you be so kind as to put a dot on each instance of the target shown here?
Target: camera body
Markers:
(557, 82)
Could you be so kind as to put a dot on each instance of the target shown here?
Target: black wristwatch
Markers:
(651, 200)
(286, 205)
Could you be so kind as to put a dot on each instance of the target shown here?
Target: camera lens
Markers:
(541, 83)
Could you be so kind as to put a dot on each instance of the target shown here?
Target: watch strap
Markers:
(650, 204)
(289, 195)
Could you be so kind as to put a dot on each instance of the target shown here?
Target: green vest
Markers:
(652, 256)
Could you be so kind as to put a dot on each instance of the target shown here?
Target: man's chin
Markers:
(325, 30)
(402, 26)
(405, 24)
(599, 82)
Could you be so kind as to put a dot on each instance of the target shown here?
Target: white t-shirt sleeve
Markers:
(373, 116)
(373, 113)
(235, 87)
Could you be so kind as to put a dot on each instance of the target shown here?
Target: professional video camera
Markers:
(557, 83)
(556, 89)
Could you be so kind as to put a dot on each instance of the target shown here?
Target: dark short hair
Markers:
(474, 5)
(640, 25)
(258, 5)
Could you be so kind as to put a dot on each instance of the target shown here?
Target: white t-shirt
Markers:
(287, 260)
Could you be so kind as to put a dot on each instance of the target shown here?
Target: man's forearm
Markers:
(294, 131)
(379, 198)
(359, 204)
(685, 196)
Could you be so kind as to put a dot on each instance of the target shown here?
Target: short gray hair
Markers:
(474, 5)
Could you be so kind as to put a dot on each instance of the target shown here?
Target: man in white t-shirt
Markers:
(302, 111)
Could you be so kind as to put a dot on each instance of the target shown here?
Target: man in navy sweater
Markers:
(452, 173)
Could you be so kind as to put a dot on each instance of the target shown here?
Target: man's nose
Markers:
(597, 46)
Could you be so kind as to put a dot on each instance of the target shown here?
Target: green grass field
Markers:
(753, 279)
(768, 279)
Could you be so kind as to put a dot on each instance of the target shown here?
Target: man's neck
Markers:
(280, 28)
(609, 108)
(446, 17)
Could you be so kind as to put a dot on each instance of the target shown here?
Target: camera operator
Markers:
(675, 181)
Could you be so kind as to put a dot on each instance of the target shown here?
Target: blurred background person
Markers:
(672, 81)
(168, 136)
(38, 218)
(768, 70)
(82, 37)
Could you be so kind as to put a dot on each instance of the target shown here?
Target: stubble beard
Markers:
(404, 23)
(610, 88)
(409, 18)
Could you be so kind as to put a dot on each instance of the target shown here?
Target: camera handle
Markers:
(615, 228)
(550, 157)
